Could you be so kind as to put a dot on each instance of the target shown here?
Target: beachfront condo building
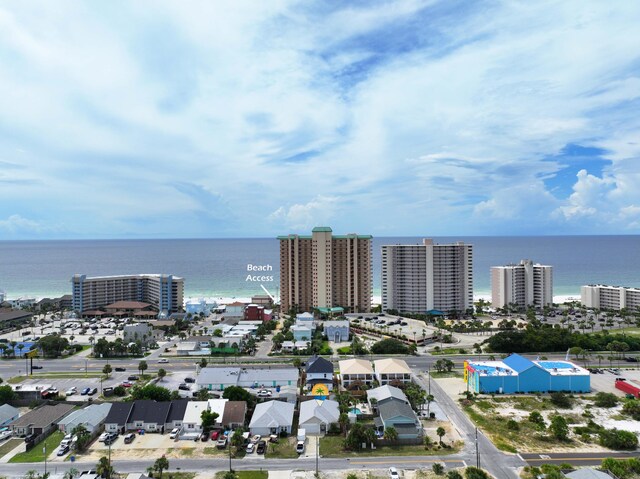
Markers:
(524, 284)
(427, 277)
(325, 271)
(164, 292)
(601, 296)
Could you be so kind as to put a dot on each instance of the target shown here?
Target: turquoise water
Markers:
(484, 369)
(356, 410)
(218, 267)
(555, 364)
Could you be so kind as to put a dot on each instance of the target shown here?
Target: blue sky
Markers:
(242, 118)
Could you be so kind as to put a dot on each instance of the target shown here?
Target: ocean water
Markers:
(218, 267)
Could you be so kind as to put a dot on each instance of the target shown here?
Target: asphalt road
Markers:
(577, 459)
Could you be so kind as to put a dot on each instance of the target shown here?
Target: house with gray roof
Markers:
(319, 371)
(384, 393)
(92, 417)
(151, 416)
(316, 416)
(272, 417)
(399, 415)
(41, 420)
(116, 420)
(8, 414)
(588, 473)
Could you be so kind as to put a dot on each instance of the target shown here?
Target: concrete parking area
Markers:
(606, 382)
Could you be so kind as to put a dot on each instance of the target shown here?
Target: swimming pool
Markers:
(356, 410)
(555, 364)
(484, 369)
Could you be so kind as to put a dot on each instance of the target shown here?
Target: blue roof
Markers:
(518, 363)
(435, 312)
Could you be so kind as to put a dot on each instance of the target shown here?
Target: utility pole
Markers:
(429, 383)
(477, 451)
(317, 455)
(230, 470)
(109, 469)
(44, 451)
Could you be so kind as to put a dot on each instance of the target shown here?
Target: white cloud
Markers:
(320, 211)
(18, 224)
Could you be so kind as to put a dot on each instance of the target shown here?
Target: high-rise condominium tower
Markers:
(524, 284)
(324, 271)
(423, 277)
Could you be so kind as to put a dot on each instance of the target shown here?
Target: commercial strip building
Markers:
(420, 278)
(525, 284)
(517, 374)
(217, 379)
(164, 292)
(601, 296)
(325, 271)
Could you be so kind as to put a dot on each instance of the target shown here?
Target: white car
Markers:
(393, 473)
(163, 361)
(250, 448)
(300, 447)
(264, 393)
(174, 433)
(71, 391)
(256, 438)
(103, 437)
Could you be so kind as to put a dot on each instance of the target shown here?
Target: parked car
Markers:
(85, 391)
(35, 366)
(222, 442)
(5, 435)
(71, 391)
(184, 387)
(250, 448)
(133, 378)
(126, 384)
(261, 447)
(256, 438)
(300, 447)
(92, 391)
(214, 435)
(163, 361)
(120, 369)
(111, 438)
(103, 437)
(128, 439)
(264, 393)
(393, 473)
(63, 450)
(189, 380)
(174, 433)
(30, 437)
(204, 437)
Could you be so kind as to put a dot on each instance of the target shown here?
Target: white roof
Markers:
(193, 413)
(217, 405)
(390, 366)
(92, 415)
(326, 411)
(355, 366)
(272, 414)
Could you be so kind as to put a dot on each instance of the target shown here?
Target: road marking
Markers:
(535, 459)
(394, 460)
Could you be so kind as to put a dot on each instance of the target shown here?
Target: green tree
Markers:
(161, 373)
(390, 434)
(561, 400)
(343, 420)
(618, 439)
(440, 432)
(536, 418)
(203, 363)
(454, 475)
(150, 391)
(631, 407)
(161, 464)
(6, 394)
(437, 468)
(472, 472)
(237, 440)
(107, 370)
(52, 345)
(237, 393)
(202, 394)
(605, 400)
(103, 468)
(71, 473)
(559, 428)
(142, 366)
(389, 346)
(209, 419)
(83, 437)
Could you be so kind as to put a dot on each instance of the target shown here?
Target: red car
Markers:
(214, 435)
(126, 384)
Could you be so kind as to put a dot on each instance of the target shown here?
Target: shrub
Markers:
(605, 400)
(454, 475)
(617, 439)
(389, 346)
(475, 473)
(561, 400)
(632, 408)
(438, 468)
(513, 425)
(536, 418)
(119, 391)
(559, 428)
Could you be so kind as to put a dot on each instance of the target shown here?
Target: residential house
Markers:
(217, 406)
(337, 331)
(8, 414)
(380, 394)
(272, 417)
(148, 415)
(92, 417)
(319, 375)
(392, 371)
(234, 310)
(176, 414)
(317, 415)
(289, 346)
(116, 420)
(192, 422)
(304, 318)
(41, 420)
(399, 415)
(234, 415)
(356, 371)
(301, 332)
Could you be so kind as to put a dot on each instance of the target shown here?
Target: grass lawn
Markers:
(60, 375)
(9, 446)
(449, 351)
(35, 454)
(181, 475)
(283, 449)
(331, 446)
(245, 474)
(446, 374)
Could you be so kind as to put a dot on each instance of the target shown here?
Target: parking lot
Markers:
(606, 382)
(386, 323)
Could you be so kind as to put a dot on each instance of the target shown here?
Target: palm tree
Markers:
(440, 432)
(428, 399)
(104, 468)
(390, 434)
(71, 473)
(161, 464)
(107, 370)
(161, 373)
(343, 420)
(142, 366)
(600, 357)
(20, 348)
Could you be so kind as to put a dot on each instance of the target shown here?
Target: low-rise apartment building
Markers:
(602, 296)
